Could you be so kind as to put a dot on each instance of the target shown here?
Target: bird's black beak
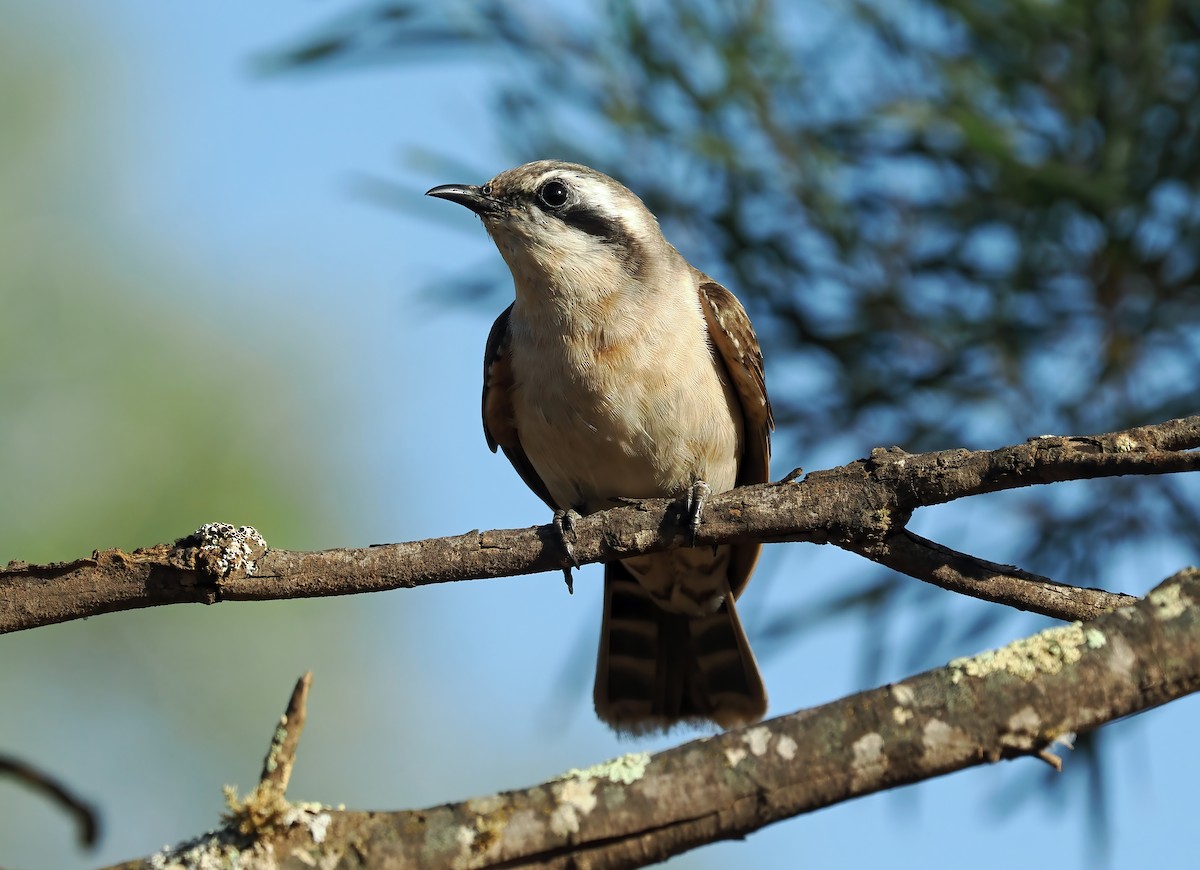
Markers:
(470, 195)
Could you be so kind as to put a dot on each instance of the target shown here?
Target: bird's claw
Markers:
(564, 527)
(696, 499)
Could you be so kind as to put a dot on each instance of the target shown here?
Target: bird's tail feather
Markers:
(656, 668)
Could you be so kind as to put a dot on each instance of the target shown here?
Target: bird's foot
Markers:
(696, 499)
(564, 527)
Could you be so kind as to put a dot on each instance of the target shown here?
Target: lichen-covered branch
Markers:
(253, 823)
(863, 507)
(1027, 698)
(266, 809)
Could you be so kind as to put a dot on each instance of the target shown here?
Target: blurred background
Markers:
(223, 297)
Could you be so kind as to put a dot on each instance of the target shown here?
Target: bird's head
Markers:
(557, 222)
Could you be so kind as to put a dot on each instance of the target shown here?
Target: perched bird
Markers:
(622, 372)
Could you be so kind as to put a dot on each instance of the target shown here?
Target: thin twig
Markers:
(281, 757)
(85, 817)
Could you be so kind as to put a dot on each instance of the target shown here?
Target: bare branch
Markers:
(1023, 699)
(862, 507)
(85, 817)
(911, 554)
(281, 757)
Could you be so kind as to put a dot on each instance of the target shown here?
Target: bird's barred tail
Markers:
(656, 668)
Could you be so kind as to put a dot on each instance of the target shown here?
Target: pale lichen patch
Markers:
(625, 770)
(1122, 658)
(212, 851)
(757, 739)
(522, 827)
(234, 846)
(579, 793)
(940, 740)
(1047, 652)
(464, 836)
(735, 755)
(1026, 719)
(277, 739)
(935, 735)
(486, 805)
(576, 798)
(1023, 730)
(313, 817)
(905, 697)
(786, 747)
(564, 820)
(869, 762)
(1169, 602)
(1094, 638)
(1124, 444)
(233, 549)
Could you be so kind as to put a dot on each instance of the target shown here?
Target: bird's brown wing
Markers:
(499, 425)
(736, 346)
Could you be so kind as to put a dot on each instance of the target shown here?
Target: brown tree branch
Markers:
(281, 757)
(915, 556)
(862, 507)
(85, 815)
(1022, 699)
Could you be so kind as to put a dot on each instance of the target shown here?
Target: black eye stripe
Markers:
(593, 223)
(610, 231)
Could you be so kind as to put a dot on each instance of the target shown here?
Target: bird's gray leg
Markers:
(696, 499)
(564, 526)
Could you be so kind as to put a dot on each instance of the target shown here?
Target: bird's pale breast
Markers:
(638, 412)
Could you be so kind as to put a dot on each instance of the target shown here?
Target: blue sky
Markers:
(244, 185)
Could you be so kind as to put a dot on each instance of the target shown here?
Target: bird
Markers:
(621, 372)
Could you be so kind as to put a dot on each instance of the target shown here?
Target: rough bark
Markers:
(862, 507)
(1022, 699)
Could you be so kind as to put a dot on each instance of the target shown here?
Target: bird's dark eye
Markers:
(553, 194)
(486, 190)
